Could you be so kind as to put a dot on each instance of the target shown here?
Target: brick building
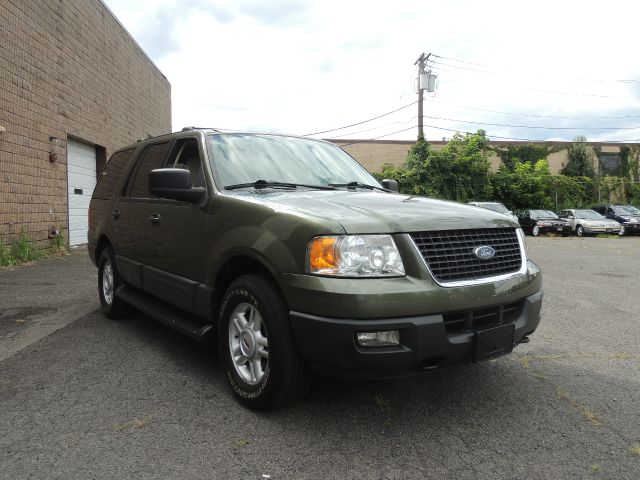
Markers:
(373, 154)
(74, 86)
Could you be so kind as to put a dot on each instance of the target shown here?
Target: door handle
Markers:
(155, 218)
(115, 214)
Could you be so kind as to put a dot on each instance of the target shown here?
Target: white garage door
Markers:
(81, 177)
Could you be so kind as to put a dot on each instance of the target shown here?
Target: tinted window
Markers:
(153, 157)
(111, 174)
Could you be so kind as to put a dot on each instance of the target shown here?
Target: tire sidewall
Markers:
(285, 369)
(535, 231)
(106, 256)
(116, 309)
(580, 231)
(234, 297)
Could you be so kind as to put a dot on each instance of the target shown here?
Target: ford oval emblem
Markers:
(484, 252)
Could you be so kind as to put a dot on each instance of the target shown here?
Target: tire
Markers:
(535, 231)
(580, 231)
(108, 281)
(623, 231)
(256, 346)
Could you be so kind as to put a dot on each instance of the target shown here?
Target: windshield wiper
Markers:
(268, 183)
(358, 185)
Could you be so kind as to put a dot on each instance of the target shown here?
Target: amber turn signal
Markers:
(322, 253)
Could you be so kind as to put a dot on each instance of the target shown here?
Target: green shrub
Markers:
(57, 243)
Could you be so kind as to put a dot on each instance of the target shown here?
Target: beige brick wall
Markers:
(373, 154)
(67, 69)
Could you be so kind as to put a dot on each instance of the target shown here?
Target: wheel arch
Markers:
(236, 266)
(103, 243)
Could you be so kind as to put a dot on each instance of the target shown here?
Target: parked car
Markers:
(535, 222)
(585, 222)
(496, 207)
(291, 255)
(627, 215)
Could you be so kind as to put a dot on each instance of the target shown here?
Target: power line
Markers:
(382, 126)
(364, 121)
(530, 139)
(542, 116)
(553, 92)
(376, 138)
(529, 126)
(578, 79)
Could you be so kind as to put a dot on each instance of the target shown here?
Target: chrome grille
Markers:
(449, 253)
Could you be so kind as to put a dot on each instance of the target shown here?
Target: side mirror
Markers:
(175, 183)
(390, 184)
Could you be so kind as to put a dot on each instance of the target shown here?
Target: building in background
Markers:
(74, 86)
(373, 154)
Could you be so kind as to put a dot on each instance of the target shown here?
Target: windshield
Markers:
(496, 207)
(626, 210)
(543, 214)
(241, 158)
(588, 214)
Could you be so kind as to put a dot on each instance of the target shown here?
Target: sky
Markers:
(536, 70)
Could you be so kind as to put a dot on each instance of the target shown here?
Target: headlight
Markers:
(523, 241)
(633, 220)
(355, 256)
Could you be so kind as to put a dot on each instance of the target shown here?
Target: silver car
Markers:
(584, 222)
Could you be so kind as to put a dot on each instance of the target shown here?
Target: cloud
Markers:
(305, 66)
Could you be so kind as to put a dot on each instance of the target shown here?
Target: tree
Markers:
(580, 161)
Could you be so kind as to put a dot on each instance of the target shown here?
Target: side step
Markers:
(167, 314)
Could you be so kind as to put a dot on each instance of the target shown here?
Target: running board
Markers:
(166, 314)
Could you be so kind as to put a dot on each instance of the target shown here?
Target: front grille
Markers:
(472, 320)
(449, 253)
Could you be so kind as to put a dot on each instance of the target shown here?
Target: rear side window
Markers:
(152, 158)
(111, 174)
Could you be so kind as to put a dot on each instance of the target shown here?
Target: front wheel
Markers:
(535, 231)
(623, 231)
(257, 348)
(580, 231)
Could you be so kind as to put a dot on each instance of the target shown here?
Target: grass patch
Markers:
(57, 244)
(635, 450)
(23, 250)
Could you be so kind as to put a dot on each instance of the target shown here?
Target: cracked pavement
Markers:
(85, 397)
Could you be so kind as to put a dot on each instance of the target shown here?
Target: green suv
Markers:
(297, 261)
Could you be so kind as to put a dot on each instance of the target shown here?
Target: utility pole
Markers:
(421, 61)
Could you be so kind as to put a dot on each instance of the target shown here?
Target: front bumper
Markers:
(330, 348)
(592, 229)
(563, 229)
(632, 227)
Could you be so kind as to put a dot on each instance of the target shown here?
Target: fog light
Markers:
(378, 339)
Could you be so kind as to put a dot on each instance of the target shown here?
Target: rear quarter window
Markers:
(112, 173)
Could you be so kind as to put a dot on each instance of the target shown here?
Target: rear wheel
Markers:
(256, 345)
(108, 281)
(580, 231)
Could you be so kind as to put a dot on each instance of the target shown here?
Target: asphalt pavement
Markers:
(86, 397)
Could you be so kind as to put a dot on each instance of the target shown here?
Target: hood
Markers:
(378, 212)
